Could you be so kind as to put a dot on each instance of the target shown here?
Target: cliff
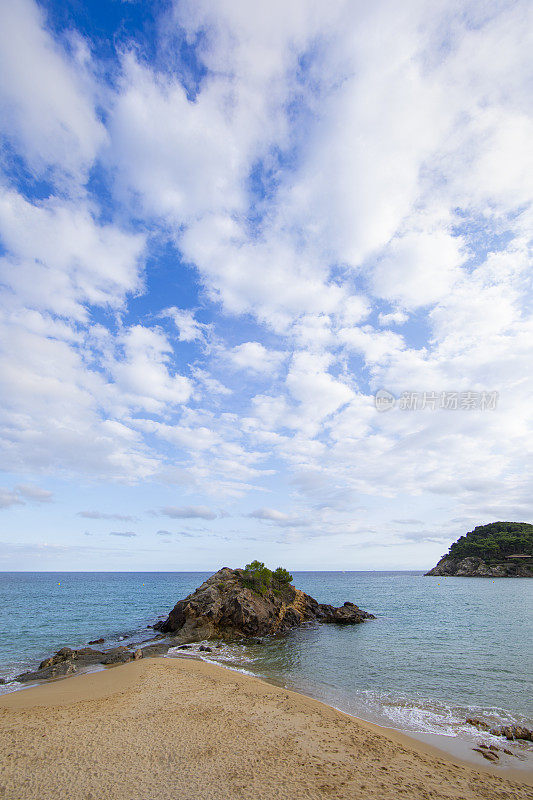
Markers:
(226, 606)
(497, 550)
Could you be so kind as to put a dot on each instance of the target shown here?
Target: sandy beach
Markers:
(180, 729)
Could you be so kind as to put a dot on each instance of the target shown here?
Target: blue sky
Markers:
(223, 227)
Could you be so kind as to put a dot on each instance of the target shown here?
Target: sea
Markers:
(439, 650)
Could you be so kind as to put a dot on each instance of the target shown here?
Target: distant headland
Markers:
(497, 550)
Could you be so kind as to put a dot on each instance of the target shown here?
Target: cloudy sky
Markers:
(224, 226)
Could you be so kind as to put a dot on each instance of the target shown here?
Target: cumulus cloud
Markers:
(328, 173)
(47, 95)
(140, 369)
(189, 329)
(418, 268)
(255, 357)
(60, 246)
(393, 318)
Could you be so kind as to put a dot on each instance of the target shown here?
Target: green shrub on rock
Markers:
(261, 578)
(257, 576)
(281, 576)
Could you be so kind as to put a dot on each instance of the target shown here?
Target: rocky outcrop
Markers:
(226, 606)
(472, 567)
(223, 607)
(67, 661)
(510, 732)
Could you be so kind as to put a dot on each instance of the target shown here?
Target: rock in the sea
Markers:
(513, 732)
(225, 606)
(64, 662)
(57, 670)
(508, 731)
(477, 723)
(101, 640)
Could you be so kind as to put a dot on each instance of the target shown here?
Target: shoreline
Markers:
(454, 748)
(134, 699)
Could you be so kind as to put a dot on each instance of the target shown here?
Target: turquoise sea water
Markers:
(440, 648)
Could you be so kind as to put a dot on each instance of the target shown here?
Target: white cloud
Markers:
(142, 373)
(105, 515)
(254, 357)
(10, 498)
(392, 145)
(51, 414)
(376, 346)
(47, 96)
(188, 512)
(125, 534)
(59, 258)
(418, 269)
(34, 493)
(393, 318)
(278, 518)
(316, 390)
(189, 329)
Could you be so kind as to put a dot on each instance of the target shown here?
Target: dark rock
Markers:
(477, 723)
(58, 670)
(64, 662)
(152, 650)
(488, 754)
(117, 655)
(64, 654)
(205, 649)
(224, 606)
(472, 567)
(348, 614)
(97, 641)
(513, 732)
(184, 647)
(509, 731)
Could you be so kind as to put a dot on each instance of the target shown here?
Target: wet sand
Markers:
(180, 729)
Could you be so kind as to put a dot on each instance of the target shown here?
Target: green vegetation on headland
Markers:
(494, 541)
(499, 549)
(261, 578)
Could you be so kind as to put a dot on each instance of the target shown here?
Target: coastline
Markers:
(158, 726)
